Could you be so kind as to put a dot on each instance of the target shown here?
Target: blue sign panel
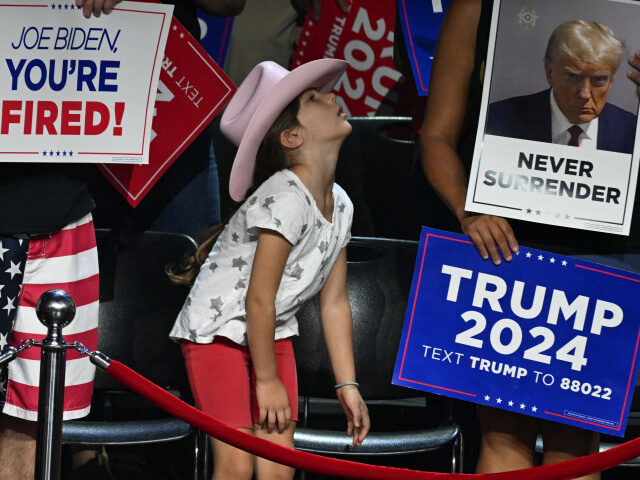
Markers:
(215, 36)
(421, 22)
(545, 335)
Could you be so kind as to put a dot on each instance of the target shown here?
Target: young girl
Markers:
(285, 243)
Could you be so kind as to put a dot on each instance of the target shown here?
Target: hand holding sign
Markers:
(96, 6)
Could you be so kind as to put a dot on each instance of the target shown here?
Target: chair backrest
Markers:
(379, 274)
(138, 305)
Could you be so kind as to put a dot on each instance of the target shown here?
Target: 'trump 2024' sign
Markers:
(544, 335)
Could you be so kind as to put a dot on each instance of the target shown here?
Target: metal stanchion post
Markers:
(55, 309)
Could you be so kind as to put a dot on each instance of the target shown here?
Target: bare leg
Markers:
(563, 442)
(266, 469)
(17, 448)
(508, 441)
(231, 463)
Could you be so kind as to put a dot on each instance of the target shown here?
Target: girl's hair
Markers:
(271, 158)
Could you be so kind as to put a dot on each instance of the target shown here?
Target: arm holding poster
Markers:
(455, 89)
(451, 76)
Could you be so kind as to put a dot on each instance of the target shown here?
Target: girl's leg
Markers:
(508, 441)
(564, 442)
(268, 470)
(219, 376)
(231, 463)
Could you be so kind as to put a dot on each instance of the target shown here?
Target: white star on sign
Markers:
(14, 269)
(499, 400)
(2, 250)
(522, 405)
(552, 260)
(487, 398)
(540, 257)
(534, 409)
(528, 254)
(564, 263)
(9, 306)
(510, 403)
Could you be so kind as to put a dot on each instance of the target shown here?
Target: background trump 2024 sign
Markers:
(79, 90)
(544, 335)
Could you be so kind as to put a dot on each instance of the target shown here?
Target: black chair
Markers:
(379, 277)
(138, 305)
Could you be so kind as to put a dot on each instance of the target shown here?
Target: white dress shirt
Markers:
(560, 125)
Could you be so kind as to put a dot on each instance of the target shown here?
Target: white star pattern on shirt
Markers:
(9, 306)
(2, 250)
(14, 269)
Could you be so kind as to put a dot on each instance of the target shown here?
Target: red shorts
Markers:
(223, 380)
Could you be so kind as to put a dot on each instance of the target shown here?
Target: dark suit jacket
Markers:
(529, 117)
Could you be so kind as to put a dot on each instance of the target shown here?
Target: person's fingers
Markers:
(262, 416)
(511, 237)
(287, 416)
(357, 422)
(501, 241)
(477, 240)
(316, 9)
(271, 420)
(281, 421)
(490, 245)
(364, 428)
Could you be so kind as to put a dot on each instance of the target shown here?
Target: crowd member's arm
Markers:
(96, 6)
(442, 125)
(337, 325)
(268, 266)
(221, 8)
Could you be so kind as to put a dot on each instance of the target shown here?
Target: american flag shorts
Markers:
(68, 260)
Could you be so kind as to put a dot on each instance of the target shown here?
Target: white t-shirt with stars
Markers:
(216, 303)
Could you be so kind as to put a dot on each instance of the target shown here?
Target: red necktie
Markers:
(575, 132)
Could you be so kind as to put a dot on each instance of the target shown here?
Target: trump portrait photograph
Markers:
(556, 141)
(568, 91)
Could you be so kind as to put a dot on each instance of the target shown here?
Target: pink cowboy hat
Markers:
(260, 98)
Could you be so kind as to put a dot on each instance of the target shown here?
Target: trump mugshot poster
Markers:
(536, 335)
(75, 89)
(557, 138)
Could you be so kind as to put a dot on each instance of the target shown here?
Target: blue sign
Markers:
(545, 335)
(421, 22)
(215, 36)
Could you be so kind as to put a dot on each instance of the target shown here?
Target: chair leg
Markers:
(200, 456)
(457, 455)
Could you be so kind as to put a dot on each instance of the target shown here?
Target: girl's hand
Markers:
(635, 74)
(358, 422)
(273, 401)
(490, 234)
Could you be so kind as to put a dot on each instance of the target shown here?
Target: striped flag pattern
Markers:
(68, 260)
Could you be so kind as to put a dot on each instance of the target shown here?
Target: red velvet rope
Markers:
(343, 468)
